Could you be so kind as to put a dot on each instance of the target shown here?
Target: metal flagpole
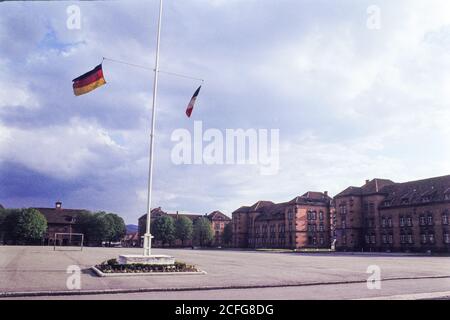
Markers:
(148, 236)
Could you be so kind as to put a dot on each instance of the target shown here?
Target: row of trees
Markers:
(29, 226)
(22, 225)
(167, 230)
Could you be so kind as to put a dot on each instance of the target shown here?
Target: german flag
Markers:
(89, 81)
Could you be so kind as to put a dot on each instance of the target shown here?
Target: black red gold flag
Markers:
(89, 81)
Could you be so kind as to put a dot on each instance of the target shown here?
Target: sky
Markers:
(351, 102)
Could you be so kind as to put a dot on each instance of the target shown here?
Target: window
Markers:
(344, 239)
(409, 222)
(321, 227)
(446, 238)
(402, 238)
(423, 238)
(431, 237)
(422, 220)
(445, 218)
(430, 220)
(373, 239)
(384, 238)
(314, 215)
(321, 241)
(402, 221)
(367, 239)
(405, 201)
(410, 239)
(390, 239)
(383, 222)
(390, 222)
(344, 223)
(387, 203)
(321, 215)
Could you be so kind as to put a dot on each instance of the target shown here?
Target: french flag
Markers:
(190, 106)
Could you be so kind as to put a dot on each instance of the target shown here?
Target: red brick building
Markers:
(303, 222)
(386, 216)
(60, 220)
(218, 222)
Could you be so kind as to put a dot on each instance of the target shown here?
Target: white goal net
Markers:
(68, 241)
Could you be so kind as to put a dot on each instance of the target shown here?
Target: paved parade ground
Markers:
(230, 275)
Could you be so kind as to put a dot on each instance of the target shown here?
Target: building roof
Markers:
(311, 197)
(60, 215)
(417, 192)
(217, 215)
(371, 187)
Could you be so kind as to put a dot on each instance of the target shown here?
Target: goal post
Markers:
(63, 239)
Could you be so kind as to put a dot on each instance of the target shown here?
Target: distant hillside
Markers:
(131, 228)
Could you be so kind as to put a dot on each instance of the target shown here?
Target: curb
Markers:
(147, 274)
(210, 288)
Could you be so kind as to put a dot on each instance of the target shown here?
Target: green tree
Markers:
(203, 232)
(227, 235)
(163, 229)
(116, 228)
(184, 229)
(25, 225)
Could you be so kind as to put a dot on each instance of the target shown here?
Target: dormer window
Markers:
(405, 201)
(426, 199)
(387, 203)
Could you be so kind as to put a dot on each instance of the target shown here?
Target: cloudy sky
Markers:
(351, 103)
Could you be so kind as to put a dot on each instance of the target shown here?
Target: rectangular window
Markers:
(384, 238)
(402, 221)
(409, 221)
(423, 238)
(431, 237)
(422, 220)
(383, 223)
(430, 220)
(410, 239)
(447, 238)
(373, 239)
(321, 215)
(445, 219)
(390, 239)
(390, 222)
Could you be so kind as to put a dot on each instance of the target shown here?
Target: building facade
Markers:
(303, 222)
(60, 220)
(386, 216)
(218, 222)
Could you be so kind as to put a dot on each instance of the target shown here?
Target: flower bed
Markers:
(112, 266)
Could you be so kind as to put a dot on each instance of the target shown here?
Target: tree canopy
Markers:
(163, 229)
(203, 232)
(24, 225)
(227, 235)
(183, 229)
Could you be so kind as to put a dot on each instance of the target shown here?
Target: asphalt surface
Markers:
(234, 274)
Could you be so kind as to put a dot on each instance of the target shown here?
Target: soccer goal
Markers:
(68, 241)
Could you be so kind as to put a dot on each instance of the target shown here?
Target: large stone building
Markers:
(218, 222)
(386, 216)
(303, 222)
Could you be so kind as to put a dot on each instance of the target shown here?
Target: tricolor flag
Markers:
(89, 81)
(190, 106)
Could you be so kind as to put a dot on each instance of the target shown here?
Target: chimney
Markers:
(58, 205)
(367, 181)
(325, 193)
